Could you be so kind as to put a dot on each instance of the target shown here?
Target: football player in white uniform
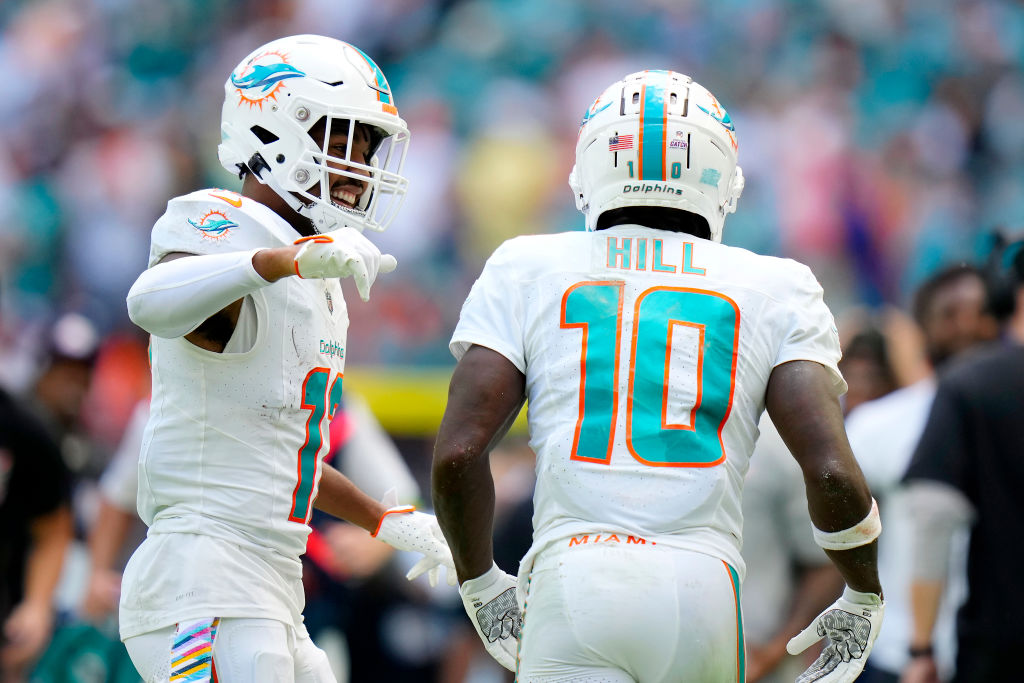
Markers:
(243, 301)
(647, 351)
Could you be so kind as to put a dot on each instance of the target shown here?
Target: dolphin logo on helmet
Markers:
(269, 112)
(266, 76)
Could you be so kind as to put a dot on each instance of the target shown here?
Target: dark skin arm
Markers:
(808, 417)
(484, 397)
(338, 496)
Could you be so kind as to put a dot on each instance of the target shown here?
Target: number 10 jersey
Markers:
(647, 355)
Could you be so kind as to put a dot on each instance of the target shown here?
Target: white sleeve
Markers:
(492, 313)
(810, 330)
(172, 299)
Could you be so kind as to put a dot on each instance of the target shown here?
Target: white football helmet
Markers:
(657, 138)
(279, 92)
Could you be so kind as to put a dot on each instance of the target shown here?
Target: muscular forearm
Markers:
(463, 491)
(485, 396)
(839, 501)
(808, 417)
(859, 567)
(340, 497)
(51, 535)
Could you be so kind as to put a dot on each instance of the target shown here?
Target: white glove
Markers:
(342, 253)
(490, 602)
(405, 529)
(851, 625)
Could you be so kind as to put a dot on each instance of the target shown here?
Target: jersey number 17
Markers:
(322, 404)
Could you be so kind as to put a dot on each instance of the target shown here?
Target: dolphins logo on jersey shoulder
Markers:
(214, 224)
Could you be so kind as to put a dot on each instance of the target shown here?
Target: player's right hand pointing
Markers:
(342, 253)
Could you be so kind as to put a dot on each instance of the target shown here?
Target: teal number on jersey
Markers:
(712, 319)
(321, 404)
(596, 308)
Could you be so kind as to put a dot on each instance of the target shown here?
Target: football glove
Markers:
(490, 602)
(851, 625)
(405, 529)
(342, 253)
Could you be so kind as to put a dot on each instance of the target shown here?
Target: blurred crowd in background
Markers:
(881, 141)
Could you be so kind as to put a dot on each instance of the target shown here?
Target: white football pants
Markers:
(243, 651)
(616, 612)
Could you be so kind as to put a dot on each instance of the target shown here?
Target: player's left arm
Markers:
(485, 395)
(803, 405)
(400, 526)
(338, 496)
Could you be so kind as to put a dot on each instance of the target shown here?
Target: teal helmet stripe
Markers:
(653, 106)
(383, 89)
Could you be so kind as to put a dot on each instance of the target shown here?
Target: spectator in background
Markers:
(35, 520)
(967, 469)
(895, 169)
(865, 366)
(57, 394)
(950, 310)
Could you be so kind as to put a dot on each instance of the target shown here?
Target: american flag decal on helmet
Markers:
(618, 142)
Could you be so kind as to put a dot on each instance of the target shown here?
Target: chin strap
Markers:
(257, 165)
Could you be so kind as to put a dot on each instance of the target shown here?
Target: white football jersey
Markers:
(235, 440)
(646, 354)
